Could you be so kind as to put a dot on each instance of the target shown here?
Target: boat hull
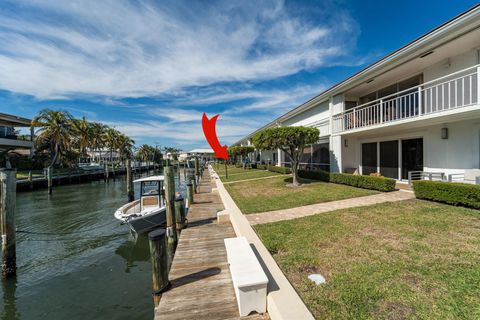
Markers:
(148, 222)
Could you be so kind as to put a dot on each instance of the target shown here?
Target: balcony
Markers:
(446, 94)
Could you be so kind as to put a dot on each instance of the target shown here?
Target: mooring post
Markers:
(194, 182)
(158, 255)
(30, 179)
(105, 172)
(50, 179)
(197, 170)
(129, 181)
(170, 212)
(8, 186)
(190, 193)
(226, 170)
(179, 214)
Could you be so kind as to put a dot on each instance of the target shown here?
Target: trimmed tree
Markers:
(290, 140)
(236, 151)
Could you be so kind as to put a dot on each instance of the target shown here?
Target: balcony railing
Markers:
(456, 90)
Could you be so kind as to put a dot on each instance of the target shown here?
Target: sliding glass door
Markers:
(369, 158)
(389, 159)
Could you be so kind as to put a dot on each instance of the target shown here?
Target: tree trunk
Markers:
(296, 183)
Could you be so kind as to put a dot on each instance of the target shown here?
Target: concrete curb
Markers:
(283, 302)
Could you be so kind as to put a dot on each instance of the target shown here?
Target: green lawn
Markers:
(406, 260)
(273, 194)
(248, 174)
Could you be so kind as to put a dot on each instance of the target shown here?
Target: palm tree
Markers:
(125, 147)
(83, 134)
(55, 129)
(97, 142)
(145, 153)
(111, 140)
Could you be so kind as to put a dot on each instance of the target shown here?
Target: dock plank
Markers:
(202, 286)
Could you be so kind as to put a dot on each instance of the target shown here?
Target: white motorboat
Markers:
(148, 212)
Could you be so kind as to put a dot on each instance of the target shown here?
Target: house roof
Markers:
(206, 150)
(398, 57)
(12, 120)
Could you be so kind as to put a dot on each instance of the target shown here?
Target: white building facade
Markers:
(417, 109)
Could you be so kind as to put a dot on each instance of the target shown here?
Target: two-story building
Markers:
(10, 136)
(416, 109)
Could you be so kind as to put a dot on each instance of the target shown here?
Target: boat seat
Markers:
(149, 203)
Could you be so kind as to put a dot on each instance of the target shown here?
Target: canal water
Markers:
(75, 261)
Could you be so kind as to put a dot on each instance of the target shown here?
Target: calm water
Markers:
(83, 265)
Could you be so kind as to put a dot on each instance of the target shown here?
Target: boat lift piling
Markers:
(171, 232)
(8, 191)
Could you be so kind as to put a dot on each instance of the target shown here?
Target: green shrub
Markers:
(365, 182)
(261, 167)
(457, 194)
(254, 166)
(282, 170)
(238, 165)
(314, 175)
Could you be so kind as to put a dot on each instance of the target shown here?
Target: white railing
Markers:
(456, 90)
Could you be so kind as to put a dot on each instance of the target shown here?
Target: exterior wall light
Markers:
(444, 133)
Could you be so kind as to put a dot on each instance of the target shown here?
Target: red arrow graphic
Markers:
(209, 129)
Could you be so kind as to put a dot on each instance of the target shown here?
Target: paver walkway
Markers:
(298, 212)
(201, 282)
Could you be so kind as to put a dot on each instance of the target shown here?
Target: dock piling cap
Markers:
(156, 234)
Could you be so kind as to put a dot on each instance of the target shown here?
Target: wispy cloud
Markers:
(135, 48)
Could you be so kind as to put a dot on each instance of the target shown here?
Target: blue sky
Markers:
(151, 68)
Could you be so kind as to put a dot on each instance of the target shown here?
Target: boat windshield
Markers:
(150, 188)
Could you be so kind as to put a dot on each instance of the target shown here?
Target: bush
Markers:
(457, 194)
(254, 166)
(261, 167)
(314, 175)
(282, 170)
(365, 182)
(238, 165)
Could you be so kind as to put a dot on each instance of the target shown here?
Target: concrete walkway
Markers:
(202, 286)
(298, 212)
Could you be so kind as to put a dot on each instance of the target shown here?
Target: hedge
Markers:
(457, 194)
(365, 182)
(314, 175)
(262, 166)
(283, 170)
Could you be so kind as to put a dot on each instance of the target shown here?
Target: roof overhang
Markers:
(14, 121)
(458, 26)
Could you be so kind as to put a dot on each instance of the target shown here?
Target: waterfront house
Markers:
(10, 135)
(416, 109)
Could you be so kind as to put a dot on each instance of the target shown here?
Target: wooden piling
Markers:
(50, 179)
(179, 214)
(105, 174)
(190, 193)
(170, 212)
(130, 194)
(8, 185)
(30, 180)
(194, 182)
(158, 254)
(226, 170)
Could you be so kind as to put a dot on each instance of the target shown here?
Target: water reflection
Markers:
(74, 260)
(134, 249)
(10, 311)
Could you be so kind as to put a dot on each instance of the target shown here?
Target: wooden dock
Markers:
(201, 283)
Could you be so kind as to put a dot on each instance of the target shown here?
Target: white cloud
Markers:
(134, 49)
